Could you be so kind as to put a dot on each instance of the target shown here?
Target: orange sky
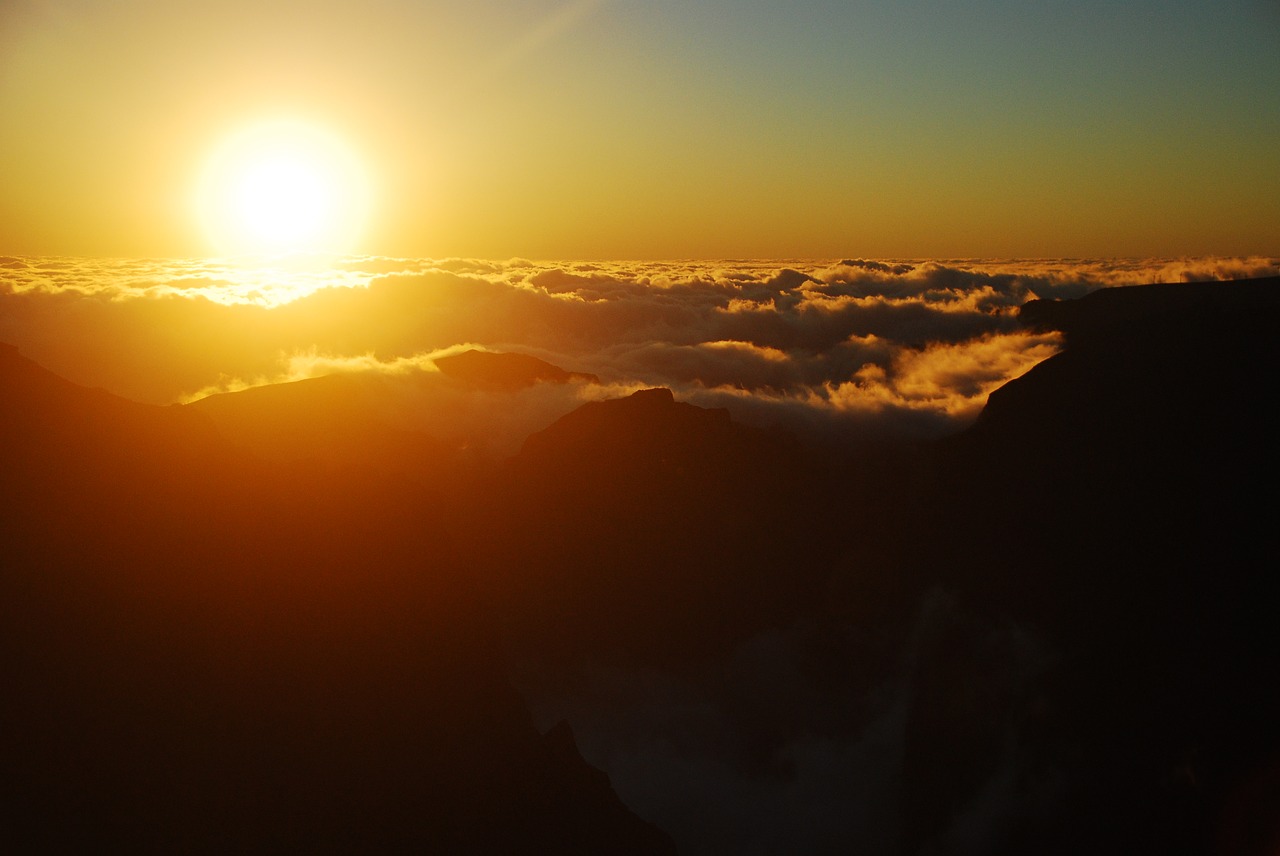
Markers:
(598, 129)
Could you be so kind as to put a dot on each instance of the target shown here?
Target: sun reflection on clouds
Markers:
(840, 346)
(268, 283)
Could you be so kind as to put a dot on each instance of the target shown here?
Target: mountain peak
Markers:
(659, 395)
(505, 371)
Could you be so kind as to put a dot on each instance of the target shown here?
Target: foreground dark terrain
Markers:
(268, 622)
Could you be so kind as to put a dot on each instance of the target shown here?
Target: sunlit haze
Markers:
(600, 129)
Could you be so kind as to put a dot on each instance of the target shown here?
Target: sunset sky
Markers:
(618, 129)
(749, 426)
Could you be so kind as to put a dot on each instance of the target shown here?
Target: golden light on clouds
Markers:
(282, 186)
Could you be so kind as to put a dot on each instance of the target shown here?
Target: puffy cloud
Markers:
(855, 344)
(302, 365)
(952, 379)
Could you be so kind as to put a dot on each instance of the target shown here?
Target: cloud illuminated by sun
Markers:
(282, 186)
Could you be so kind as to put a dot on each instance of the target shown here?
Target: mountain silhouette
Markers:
(338, 421)
(208, 652)
(505, 371)
(279, 620)
(648, 528)
(1108, 505)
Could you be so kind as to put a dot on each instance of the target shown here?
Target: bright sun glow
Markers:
(282, 187)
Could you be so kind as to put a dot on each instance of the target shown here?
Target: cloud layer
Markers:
(832, 347)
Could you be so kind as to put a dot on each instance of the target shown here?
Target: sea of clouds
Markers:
(824, 348)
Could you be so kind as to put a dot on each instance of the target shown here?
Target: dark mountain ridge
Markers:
(208, 652)
(1110, 502)
(652, 528)
(337, 422)
(210, 649)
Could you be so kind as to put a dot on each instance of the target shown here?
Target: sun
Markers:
(282, 186)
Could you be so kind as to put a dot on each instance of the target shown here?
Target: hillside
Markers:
(276, 620)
